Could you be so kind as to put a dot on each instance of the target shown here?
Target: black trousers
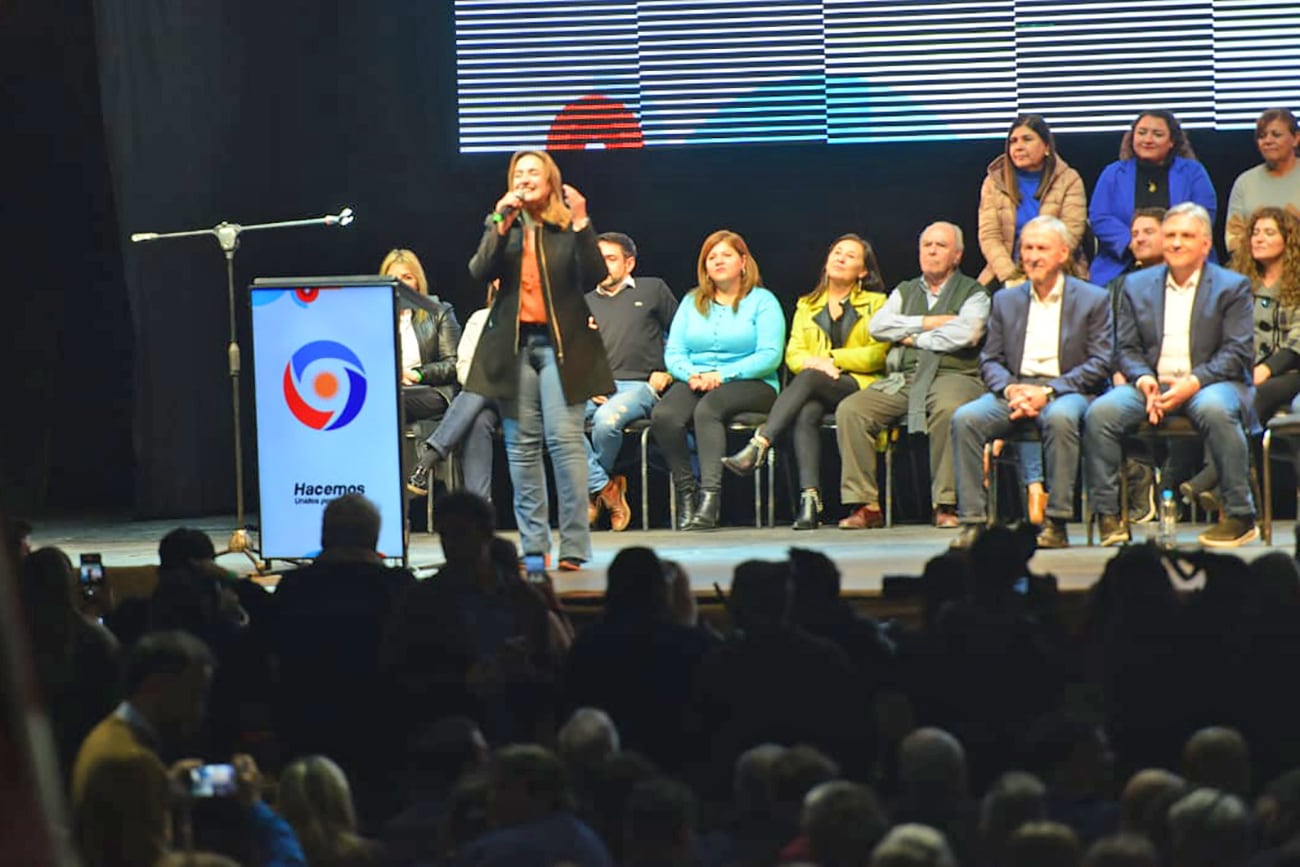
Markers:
(799, 410)
(421, 402)
(681, 409)
(1276, 393)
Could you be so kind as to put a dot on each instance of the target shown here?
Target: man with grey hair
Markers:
(585, 740)
(1047, 355)
(935, 323)
(1184, 335)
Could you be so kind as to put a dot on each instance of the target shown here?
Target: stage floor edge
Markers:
(865, 557)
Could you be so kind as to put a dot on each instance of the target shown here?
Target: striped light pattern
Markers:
(633, 73)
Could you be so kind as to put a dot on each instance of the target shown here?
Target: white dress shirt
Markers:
(1042, 355)
(1176, 344)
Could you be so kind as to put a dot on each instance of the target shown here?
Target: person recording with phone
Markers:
(124, 798)
(75, 658)
(541, 353)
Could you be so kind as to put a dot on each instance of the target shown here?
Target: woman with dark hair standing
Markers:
(723, 351)
(1157, 168)
(1029, 178)
(540, 353)
(832, 355)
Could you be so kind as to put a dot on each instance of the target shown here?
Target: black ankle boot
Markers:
(748, 459)
(418, 483)
(685, 497)
(706, 511)
(810, 510)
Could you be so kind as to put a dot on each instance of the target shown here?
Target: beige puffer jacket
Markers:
(1063, 196)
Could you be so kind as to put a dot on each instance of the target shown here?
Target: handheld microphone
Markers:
(506, 210)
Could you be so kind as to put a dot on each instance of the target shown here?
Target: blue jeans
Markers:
(632, 399)
(1031, 462)
(979, 421)
(468, 425)
(540, 413)
(1215, 411)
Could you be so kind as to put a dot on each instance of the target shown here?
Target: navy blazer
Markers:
(1223, 327)
(1087, 342)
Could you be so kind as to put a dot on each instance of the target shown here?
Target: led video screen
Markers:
(655, 73)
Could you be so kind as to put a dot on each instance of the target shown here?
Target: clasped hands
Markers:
(1177, 391)
(706, 381)
(1025, 400)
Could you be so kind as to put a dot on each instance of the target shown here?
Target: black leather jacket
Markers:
(438, 334)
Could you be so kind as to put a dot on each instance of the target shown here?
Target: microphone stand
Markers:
(227, 235)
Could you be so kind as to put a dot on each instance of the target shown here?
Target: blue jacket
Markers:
(1086, 346)
(1223, 328)
(745, 344)
(1110, 210)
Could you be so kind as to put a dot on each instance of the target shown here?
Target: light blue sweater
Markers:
(745, 344)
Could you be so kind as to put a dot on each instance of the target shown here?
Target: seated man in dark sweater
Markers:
(633, 315)
(331, 617)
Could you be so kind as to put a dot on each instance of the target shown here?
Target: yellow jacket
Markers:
(861, 356)
(120, 798)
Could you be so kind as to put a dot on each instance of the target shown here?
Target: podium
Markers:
(328, 407)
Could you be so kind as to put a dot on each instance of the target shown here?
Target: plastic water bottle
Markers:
(1168, 537)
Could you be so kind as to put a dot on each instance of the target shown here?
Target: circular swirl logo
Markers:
(324, 385)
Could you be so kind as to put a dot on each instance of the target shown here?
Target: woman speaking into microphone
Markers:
(540, 354)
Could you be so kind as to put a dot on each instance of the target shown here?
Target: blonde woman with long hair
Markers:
(428, 332)
(541, 354)
(316, 801)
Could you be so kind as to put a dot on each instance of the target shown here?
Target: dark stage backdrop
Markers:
(259, 111)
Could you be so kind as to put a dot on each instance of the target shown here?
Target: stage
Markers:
(865, 557)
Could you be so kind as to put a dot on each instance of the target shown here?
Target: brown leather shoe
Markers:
(614, 498)
(945, 517)
(593, 508)
(864, 517)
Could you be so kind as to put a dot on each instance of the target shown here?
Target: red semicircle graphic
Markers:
(594, 121)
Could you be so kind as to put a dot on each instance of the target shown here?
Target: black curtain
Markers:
(65, 340)
(250, 112)
(260, 111)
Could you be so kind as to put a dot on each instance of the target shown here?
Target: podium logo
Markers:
(302, 297)
(333, 393)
